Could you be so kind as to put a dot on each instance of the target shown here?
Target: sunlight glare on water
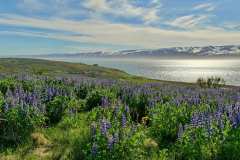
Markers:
(184, 70)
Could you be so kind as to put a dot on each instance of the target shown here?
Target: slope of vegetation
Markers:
(50, 68)
(62, 115)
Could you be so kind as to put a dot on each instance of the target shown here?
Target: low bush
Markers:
(76, 105)
(17, 124)
(138, 106)
(7, 84)
(231, 145)
(203, 142)
(2, 102)
(114, 136)
(82, 92)
(99, 98)
(164, 122)
(56, 108)
(212, 82)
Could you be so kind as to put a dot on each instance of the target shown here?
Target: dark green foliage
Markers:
(28, 85)
(17, 124)
(202, 143)
(55, 109)
(213, 82)
(95, 98)
(166, 99)
(165, 120)
(1, 103)
(81, 92)
(7, 84)
(138, 106)
(191, 145)
(76, 106)
(230, 147)
(129, 141)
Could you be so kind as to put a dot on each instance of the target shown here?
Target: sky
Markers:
(71, 26)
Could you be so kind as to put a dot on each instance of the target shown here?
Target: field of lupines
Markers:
(76, 117)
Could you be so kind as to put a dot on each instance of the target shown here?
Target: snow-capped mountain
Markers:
(230, 50)
(186, 51)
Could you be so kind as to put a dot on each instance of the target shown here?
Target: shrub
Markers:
(7, 84)
(230, 147)
(17, 125)
(202, 142)
(196, 144)
(2, 102)
(76, 106)
(164, 122)
(55, 109)
(213, 82)
(96, 97)
(28, 85)
(114, 136)
(138, 106)
(82, 91)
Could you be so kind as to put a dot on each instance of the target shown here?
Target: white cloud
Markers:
(102, 32)
(151, 17)
(188, 22)
(205, 6)
(95, 8)
(124, 8)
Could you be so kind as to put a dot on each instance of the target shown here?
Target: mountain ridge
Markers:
(226, 50)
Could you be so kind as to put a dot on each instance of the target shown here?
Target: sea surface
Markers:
(184, 70)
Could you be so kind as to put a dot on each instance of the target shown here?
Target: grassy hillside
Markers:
(13, 65)
(54, 68)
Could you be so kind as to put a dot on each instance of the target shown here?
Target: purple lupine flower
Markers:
(94, 149)
(93, 129)
(116, 111)
(110, 142)
(209, 130)
(115, 138)
(180, 130)
(104, 102)
(237, 119)
(127, 110)
(124, 120)
(105, 125)
(6, 107)
(221, 124)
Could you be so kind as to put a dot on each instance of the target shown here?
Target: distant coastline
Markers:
(219, 52)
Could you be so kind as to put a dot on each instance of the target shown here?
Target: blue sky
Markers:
(69, 26)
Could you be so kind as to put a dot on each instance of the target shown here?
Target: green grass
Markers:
(54, 68)
(63, 141)
(14, 65)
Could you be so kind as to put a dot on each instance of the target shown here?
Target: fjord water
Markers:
(184, 70)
